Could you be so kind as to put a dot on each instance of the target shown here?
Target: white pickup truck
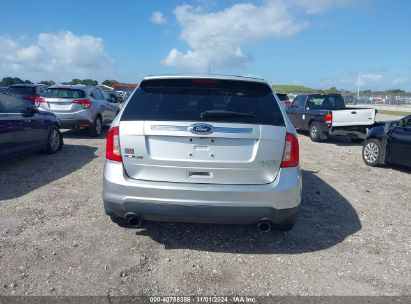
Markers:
(326, 114)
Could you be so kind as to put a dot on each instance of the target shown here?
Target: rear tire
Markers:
(372, 152)
(314, 132)
(54, 141)
(96, 127)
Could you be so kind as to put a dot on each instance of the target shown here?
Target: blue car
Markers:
(25, 129)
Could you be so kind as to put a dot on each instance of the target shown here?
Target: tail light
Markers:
(113, 145)
(328, 118)
(291, 156)
(85, 103)
(38, 101)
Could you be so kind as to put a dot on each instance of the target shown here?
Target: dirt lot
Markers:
(352, 238)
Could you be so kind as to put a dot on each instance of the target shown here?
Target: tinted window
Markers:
(326, 102)
(189, 99)
(282, 97)
(22, 90)
(298, 102)
(64, 93)
(10, 104)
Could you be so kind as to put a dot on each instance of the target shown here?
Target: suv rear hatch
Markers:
(202, 130)
(63, 100)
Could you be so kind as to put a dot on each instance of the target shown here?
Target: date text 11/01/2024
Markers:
(203, 299)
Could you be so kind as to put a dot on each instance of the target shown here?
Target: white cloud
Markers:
(157, 17)
(217, 39)
(369, 78)
(60, 56)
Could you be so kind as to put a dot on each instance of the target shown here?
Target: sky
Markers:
(316, 43)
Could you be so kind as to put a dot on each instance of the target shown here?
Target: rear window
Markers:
(189, 99)
(22, 90)
(64, 93)
(326, 102)
(282, 97)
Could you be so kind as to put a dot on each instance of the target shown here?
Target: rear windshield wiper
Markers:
(222, 113)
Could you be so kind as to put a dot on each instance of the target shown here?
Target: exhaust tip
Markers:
(134, 220)
(264, 226)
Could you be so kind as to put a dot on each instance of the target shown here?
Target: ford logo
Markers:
(201, 129)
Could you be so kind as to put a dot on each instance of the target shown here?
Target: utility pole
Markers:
(358, 86)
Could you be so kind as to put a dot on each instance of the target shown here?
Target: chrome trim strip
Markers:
(215, 130)
(233, 130)
(169, 128)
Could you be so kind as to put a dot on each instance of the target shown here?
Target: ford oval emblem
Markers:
(201, 129)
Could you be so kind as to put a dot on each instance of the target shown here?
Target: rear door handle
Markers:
(353, 112)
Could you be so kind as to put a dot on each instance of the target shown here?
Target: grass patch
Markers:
(398, 113)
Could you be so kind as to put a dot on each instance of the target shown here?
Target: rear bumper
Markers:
(71, 121)
(357, 131)
(75, 123)
(204, 203)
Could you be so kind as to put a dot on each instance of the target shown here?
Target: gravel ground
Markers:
(352, 237)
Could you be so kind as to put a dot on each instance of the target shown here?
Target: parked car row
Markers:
(29, 124)
(213, 149)
(323, 115)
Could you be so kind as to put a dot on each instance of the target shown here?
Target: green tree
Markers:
(8, 81)
(109, 82)
(89, 82)
(367, 92)
(47, 82)
(333, 90)
(395, 91)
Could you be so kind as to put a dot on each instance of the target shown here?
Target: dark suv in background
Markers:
(28, 92)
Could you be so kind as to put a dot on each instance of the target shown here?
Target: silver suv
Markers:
(203, 149)
(79, 106)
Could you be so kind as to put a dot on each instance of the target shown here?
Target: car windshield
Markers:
(204, 99)
(22, 90)
(64, 93)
